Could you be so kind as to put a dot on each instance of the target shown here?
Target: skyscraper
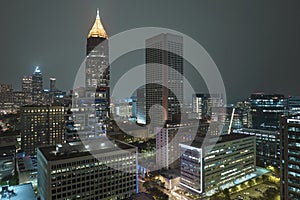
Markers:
(52, 84)
(37, 86)
(27, 89)
(96, 69)
(164, 77)
(289, 155)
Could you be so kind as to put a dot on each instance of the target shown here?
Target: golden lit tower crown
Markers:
(98, 30)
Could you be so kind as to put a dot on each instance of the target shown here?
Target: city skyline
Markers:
(240, 37)
(168, 130)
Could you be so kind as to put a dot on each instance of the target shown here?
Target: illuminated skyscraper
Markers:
(27, 89)
(96, 69)
(37, 86)
(52, 84)
(164, 86)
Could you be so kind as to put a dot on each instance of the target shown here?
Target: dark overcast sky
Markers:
(255, 44)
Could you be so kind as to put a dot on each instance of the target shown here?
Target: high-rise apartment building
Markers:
(290, 157)
(164, 77)
(70, 171)
(40, 126)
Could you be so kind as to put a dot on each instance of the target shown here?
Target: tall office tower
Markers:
(96, 81)
(6, 96)
(163, 60)
(27, 89)
(52, 84)
(41, 125)
(214, 165)
(266, 110)
(290, 157)
(70, 171)
(97, 66)
(206, 105)
(37, 86)
(169, 137)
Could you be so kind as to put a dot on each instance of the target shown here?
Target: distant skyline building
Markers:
(70, 171)
(41, 126)
(6, 96)
(164, 86)
(27, 89)
(293, 104)
(289, 156)
(204, 104)
(52, 84)
(37, 86)
(266, 110)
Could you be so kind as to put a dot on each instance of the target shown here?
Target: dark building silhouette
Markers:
(164, 77)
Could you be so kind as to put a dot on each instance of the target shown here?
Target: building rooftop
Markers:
(79, 149)
(17, 192)
(210, 140)
(98, 30)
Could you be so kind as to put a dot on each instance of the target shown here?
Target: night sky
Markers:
(255, 44)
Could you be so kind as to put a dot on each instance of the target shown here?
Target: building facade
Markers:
(41, 126)
(204, 105)
(164, 77)
(266, 110)
(169, 137)
(290, 157)
(205, 169)
(74, 172)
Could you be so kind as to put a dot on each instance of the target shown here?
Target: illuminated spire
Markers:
(98, 30)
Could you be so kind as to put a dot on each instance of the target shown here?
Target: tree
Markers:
(251, 182)
(146, 185)
(265, 177)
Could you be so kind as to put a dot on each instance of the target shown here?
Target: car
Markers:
(246, 193)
